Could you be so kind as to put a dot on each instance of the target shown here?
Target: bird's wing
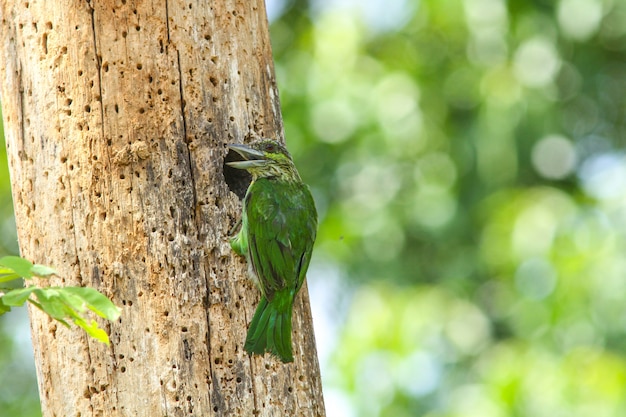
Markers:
(304, 234)
(279, 234)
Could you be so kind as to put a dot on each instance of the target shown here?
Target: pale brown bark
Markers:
(116, 118)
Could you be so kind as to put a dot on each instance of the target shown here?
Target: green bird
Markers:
(278, 228)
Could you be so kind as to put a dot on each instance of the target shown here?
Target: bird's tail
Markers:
(270, 329)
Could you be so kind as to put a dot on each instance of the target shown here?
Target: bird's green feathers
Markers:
(281, 227)
(270, 329)
(279, 224)
(280, 231)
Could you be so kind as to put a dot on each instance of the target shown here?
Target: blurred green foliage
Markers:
(18, 384)
(467, 158)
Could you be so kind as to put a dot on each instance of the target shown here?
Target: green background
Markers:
(467, 159)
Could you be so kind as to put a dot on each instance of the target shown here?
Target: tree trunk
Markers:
(116, 117)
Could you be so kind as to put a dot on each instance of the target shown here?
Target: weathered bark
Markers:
(116, 117)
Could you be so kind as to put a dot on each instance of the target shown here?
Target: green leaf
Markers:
(13, 267)
(93, 330)
(39, 306)
(3, 307)
(17, 297)
(63, 303)
(96, 302)
(7, 274)
(43, 271)
(51, 301)
(20, 266)
(60, 303)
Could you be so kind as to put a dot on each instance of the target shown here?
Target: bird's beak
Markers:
(252, 157)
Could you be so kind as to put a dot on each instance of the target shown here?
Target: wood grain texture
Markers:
(116, 115)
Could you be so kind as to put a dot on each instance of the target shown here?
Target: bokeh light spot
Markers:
(433, 207)
(554, 157)
(604, 176)
(536, 62)
(333, 120)
(535, 278)
(579, 19)
(534, 231)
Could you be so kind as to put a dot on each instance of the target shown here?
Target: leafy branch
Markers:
(61, 303)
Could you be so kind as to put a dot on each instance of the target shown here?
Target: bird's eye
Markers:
(270, 147)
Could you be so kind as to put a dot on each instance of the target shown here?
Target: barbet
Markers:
(278, 228)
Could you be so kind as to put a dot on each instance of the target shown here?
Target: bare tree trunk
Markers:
(116, 117)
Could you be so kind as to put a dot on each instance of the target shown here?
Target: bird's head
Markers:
(264, 158)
